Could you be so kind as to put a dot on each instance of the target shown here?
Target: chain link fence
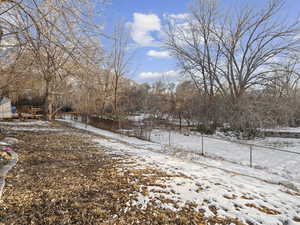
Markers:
(247, 154)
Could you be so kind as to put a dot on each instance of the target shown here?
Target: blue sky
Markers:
(145, 19)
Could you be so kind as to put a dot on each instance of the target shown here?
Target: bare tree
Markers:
(120, 60)
(229, 53)
(54, 32)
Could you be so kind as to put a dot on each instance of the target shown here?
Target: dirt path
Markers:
(63, 178)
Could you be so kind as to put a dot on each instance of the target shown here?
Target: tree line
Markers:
(241, 66)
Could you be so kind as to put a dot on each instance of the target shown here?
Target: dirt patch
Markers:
(296, 219)
(264, 209)
(291, 192)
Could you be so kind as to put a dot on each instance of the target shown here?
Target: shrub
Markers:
(203, 129)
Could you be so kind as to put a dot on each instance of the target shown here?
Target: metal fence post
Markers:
(202, 144)
(169, 137)
(251, 156)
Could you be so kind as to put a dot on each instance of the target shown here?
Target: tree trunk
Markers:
(46, 100)
(50, 103)
(180, 125)
(116, 96)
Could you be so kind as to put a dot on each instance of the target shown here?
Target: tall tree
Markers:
(233, 51)
(120, 60)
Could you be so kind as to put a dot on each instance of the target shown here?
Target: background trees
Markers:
(230, 54)
(241, 67)
(54, 36)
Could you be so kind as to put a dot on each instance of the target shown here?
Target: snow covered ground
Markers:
(285, 129)
(276, 162)
(32, 123)
(214, 185)
(139, 117)
(273, 166)
(290, 144)
(33, 126)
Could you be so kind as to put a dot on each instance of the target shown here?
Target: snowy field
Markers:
(285, 129)
(230, 189)
(276, 162)
(272, 166)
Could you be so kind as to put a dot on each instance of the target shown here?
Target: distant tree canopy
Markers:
(239, 59)
(240, 68)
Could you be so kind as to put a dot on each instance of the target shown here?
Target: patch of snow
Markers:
(290, 144)
(35, 129)
(112, 135)
(139, 117)
(32, 123)
(284, 129)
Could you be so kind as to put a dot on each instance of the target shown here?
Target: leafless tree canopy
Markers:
(228, 52)
(241, 65)
(56, 35)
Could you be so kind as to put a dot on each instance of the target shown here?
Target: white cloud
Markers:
(153, 75)
(158, 54)
(181, 16)
(142, 26)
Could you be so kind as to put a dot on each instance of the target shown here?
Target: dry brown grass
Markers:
(263, 209)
